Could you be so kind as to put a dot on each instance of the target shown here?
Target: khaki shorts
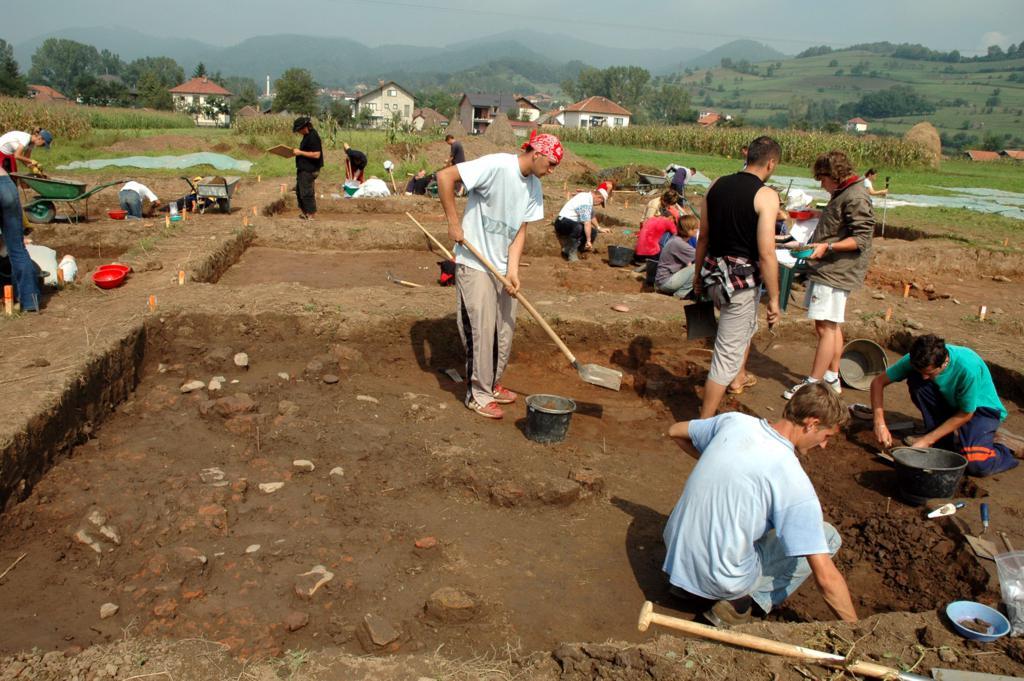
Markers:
(825, 303)
(737, 323)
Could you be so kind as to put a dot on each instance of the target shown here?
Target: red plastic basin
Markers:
(117, 214)
(108, 278)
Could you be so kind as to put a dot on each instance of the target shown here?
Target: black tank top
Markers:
(731, 216)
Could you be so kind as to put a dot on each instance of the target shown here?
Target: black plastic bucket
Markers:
(620, 256)
(547, 417)
(925, 473)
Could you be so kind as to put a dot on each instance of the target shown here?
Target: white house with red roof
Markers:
(45, 93)
(204, 100)
(856, 125)
(595, 112)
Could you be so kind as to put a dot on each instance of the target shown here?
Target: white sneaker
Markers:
(788, 394)
(835, 386)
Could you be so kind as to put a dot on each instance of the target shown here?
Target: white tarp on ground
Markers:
(203, 158)
(981, 200)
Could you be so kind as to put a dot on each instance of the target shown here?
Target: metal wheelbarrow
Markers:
(51, 191)
(213, 189)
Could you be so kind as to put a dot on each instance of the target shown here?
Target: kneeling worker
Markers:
(131, 197)
(953, 388)
(576, 225)
(748, 529)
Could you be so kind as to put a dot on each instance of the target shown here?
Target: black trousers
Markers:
(305, 191)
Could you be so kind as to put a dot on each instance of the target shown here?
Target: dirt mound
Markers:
(455, 129)
(622, 176)
(500, 131)
(221, 147)
(924, 134)
(178, 143)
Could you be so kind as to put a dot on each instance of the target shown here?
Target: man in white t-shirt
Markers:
(131, 196)
(504, 194)
(748, 529)
(576, 225)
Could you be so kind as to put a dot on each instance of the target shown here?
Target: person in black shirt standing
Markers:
(309, 159)
(457, 155)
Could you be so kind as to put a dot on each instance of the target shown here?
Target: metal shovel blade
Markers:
(700, 320)
(599, 375)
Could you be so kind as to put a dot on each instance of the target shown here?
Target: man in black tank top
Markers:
(736, 254)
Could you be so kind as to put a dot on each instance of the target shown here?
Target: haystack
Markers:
(455, 129)
(500, 132)
(925, 135)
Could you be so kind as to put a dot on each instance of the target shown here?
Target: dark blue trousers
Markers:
(976, 437)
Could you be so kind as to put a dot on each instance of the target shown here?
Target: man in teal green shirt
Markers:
(953, 388)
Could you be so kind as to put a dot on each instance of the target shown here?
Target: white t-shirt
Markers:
(747, 481)
(10, 141)
(579, 208)
(500, 200)
(869, 185)
(141, 189)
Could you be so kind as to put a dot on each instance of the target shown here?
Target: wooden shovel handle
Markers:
(447, 253)
(526, 303)
(766, 645)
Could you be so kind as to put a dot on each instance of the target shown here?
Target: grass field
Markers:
(1008, 176)
(815, 78)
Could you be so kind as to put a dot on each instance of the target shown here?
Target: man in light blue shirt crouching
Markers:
(748, 529)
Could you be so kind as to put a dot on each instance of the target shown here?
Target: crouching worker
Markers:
(748, 529)
(131, 197)
(576, 225)
(953, 388)
(674, 275)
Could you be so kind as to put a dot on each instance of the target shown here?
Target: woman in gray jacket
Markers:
(842, 252)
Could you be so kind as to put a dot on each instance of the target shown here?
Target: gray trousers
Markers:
(487, 320)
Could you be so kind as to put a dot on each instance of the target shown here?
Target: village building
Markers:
(384, 102)
(595, 112)
(979, 155)
(45, 93)
(426, 118)
(204, 100)
(857, 125)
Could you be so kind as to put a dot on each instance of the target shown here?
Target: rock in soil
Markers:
(192, 386)
(449, 604)
(376, 633)
(307, 584)
(242, 360)
(296, 620)
(108, 610)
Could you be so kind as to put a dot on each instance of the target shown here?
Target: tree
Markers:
(340, 111)
(60, 63)
(11, 82)
(111, 64)
(245, 91)
(153, 92)
(296, 92)
(440, 101)
(166, 71)
(199, 71)
(670, 104)
(101, 91)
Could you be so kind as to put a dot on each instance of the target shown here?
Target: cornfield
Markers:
(266, 126)
(64, 121)
(109, 118)
(70, 121)
(798, 148)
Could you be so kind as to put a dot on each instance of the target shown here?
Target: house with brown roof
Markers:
(426, 118)
(856, 125)
(204, 100)
(977, 155)
(45, 93)
(248, 111)
(595, 112)
(708, 118)
(1013, 154)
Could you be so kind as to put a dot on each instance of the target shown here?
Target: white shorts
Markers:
(826, 304)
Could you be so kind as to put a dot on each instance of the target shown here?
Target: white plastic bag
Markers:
(69, 268)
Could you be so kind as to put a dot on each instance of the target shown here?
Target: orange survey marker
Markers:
(906, 290)
(982, 312)
(8, 300)
(888, 314)
(181, 277)
(152, 303)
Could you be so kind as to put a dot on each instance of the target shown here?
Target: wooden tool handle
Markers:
(526, 303)
(1006, 540)
(648, 617)
(430, 236)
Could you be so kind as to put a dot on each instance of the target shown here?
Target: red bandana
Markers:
(547, 145)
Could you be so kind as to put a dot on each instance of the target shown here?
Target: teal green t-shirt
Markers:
(966, 383)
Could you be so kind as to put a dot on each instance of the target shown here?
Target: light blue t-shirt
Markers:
(747, 481)
(966, 383)
(500, 200)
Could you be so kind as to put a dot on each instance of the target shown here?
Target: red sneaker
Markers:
(503, 395)
(490, 410)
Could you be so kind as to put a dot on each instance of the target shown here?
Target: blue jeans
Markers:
(131, 202)
(782, 575)
(23, 270)
(975, 439)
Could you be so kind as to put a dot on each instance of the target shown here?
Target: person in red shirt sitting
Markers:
(652, 236)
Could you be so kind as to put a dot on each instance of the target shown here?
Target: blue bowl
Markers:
(999, 626)
(803, 253)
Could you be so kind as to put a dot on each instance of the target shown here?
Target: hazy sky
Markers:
(789, 25)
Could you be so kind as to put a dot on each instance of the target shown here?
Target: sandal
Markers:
(749, 382)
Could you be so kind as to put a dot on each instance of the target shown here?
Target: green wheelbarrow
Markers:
(42, 209)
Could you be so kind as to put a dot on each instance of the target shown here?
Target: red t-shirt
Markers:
(650, 234)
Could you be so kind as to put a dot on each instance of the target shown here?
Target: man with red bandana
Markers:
(839, 263)
(504, 194)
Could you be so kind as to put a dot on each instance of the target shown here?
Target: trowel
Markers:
(946, 509)
(958, 675)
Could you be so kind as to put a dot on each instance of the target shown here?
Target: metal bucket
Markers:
(547, 417)
(925, 473)
(861, 361)
(620, 256)
(700, 320)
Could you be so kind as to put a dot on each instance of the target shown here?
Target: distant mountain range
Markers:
(528, 59)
